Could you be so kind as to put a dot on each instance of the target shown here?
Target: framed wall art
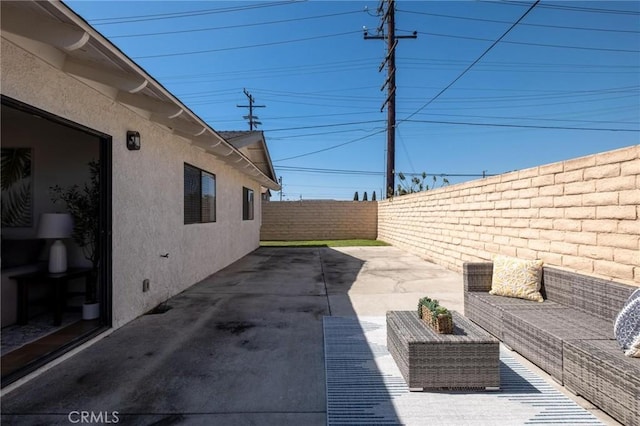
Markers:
(17, 187)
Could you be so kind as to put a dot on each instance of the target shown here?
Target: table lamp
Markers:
(56, 226)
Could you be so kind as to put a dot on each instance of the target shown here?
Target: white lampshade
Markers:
(55, 225)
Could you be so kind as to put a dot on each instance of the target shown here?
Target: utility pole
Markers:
(253, 119)
(388, 16)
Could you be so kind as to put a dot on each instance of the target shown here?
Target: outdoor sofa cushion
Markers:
(538, 334)
(492, 308)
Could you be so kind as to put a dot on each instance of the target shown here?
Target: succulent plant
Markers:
(433, 306)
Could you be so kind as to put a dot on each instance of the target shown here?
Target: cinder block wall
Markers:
(319, 220)
(582, 214)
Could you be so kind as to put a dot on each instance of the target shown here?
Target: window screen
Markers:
(199, 195)
(247, 204)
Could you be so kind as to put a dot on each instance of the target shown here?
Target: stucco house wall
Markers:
(147, 188)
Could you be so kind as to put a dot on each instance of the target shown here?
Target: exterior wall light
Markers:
(133, 140)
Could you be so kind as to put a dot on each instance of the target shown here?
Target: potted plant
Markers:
(435, 316)
(84, 206)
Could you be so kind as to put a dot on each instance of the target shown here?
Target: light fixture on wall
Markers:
(133, 140)
(56, 226)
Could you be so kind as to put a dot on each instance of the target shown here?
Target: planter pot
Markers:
(442, 324)
(90, 311)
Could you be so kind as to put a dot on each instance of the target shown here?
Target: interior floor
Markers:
(18, 351)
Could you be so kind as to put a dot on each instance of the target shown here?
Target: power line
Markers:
(474, 62)
(191, 31)
(330, 171)
(365, 62)
(332, 147)
(524, 126)
(322, 66)
(319, 126)
(575, 8)
(524, 43)
(325, 133)
(370, 172)
(511, 106)
(535, 118)
(406, 151)
(552, 95)
(223, 49)
(496, 21)
(187, 14)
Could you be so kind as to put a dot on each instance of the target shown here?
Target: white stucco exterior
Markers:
(147, 186)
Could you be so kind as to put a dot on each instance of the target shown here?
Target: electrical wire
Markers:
(404, 148)
(440, 15)
(187, 14)
(574, 8)
(327, 125)
(535, 118)
(474, 62)
(524, 126)
(332, 147)
(511, 106)
(223, 49)
(449, 61)
(346, 65)
(524, 43)
(370, 172)
(191, 31)
(322, 66)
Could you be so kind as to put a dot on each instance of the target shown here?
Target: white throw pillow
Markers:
(634, 350)
(627, 326)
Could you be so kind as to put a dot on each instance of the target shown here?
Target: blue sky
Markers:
(565, 68)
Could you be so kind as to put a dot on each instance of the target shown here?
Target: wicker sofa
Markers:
(569, 335)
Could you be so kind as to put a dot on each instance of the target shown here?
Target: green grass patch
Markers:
(324, 243)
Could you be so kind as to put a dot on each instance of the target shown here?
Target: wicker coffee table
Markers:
(468, 359)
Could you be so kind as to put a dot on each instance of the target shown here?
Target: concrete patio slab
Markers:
(375, 280)
(244, 346)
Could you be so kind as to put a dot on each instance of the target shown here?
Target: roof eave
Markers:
(78, 44)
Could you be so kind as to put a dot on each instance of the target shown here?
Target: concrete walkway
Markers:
(242, 347)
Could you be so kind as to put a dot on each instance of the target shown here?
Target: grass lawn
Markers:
(323, 243)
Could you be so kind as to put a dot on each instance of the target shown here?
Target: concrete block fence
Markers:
(319, 220)
(582, 214)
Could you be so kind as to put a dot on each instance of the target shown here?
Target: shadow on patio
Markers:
(244, 346)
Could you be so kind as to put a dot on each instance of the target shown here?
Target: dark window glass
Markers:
(199, 195)
(247, 204)
(208, 197)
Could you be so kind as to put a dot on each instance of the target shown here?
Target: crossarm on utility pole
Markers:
(388, 16)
